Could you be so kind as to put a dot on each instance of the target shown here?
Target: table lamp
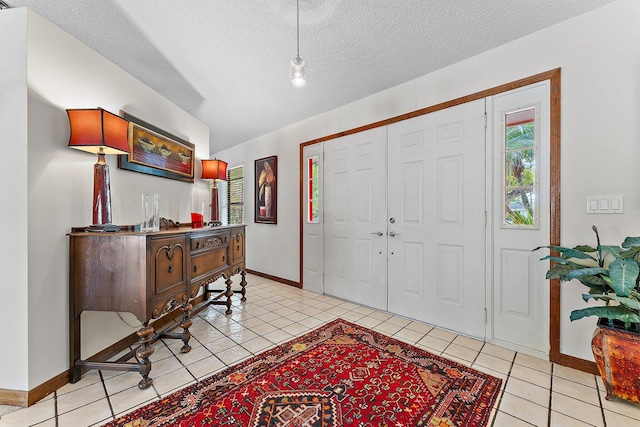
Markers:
(215, 170)
(100, 132)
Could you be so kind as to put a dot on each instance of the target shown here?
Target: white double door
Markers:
(404, 218)
(413, 222)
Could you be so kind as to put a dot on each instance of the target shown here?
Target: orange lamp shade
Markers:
(101, 132)
(214, 169)
(98, 131)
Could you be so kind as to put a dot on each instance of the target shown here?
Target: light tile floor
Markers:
(535, 392)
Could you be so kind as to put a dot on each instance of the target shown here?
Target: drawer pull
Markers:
(223, 257)
(170, 268)
(195, 268)
(198, 244)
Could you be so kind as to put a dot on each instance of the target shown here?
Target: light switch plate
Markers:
(605, 204)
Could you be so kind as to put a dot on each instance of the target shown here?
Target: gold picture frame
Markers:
(154, 151)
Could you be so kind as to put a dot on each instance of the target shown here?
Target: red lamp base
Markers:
(101, 192)
(215, 207)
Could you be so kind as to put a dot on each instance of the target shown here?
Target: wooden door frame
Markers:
(554, 77)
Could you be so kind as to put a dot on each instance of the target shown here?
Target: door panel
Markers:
(516, 300)
(312, 231)
(450, 274)
(437, 202)
(355, 212)
(450, 191)
(520, 291)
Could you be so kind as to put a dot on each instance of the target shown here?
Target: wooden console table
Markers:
(149, 275)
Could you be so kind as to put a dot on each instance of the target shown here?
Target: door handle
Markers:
(393, 234)
(378, 233)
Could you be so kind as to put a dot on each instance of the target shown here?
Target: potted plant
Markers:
(612, 275)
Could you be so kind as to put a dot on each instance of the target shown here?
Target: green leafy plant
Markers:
(610, 272)
(519, 217)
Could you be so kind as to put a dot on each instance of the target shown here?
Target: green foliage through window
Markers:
(520, 174)
(313, 189)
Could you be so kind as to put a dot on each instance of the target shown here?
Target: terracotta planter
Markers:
(617, 354)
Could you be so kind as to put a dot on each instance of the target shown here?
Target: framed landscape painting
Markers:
(156, 152)
(266, 190)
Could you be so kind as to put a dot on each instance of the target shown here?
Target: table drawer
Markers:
(168, 266)
(237, 245)
(209, 241)
(208, 262)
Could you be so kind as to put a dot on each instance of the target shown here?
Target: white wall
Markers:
(13, 193)
(47, 187)
(599, 55)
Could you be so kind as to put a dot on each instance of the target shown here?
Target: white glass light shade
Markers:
(298, 72)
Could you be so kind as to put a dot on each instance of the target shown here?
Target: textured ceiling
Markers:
(226, 61)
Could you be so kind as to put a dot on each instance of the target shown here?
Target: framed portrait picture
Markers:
(156, 152)
(266, 190)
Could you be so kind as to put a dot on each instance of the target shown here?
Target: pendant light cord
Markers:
(298, 27)
(298, 66)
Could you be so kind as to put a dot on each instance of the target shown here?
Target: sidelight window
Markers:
(520, 192)
(235, 179)
(312, 189)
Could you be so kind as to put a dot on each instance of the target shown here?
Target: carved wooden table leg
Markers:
(228, 294)
(143, 352)
(243, 283)
(185, 325)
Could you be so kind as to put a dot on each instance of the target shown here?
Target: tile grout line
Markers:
(584, 401)
(299, 309)
(477, 354)
(55, 407)
(553, 366)
(504, 389)
(106, 392)
(604, 418)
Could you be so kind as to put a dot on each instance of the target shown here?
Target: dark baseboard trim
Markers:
(48, 387)
(577, 363)
(14, 397)
(275, 278)
(561, 359)
(159, 325)
(28, 398)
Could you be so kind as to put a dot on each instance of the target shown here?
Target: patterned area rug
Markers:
(340, 374)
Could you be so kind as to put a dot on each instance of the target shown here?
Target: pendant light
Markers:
(298, 66)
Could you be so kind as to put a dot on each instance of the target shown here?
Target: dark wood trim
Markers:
(14, 397)
(554, 77)
(48, 387)
(577, 363)
(301, 213)
(554, 211)
(555, 354)
(24, 398)
(547, 75)
(160, 325)
(275, 278)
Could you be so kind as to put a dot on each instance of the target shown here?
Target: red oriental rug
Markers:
(340, 374)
